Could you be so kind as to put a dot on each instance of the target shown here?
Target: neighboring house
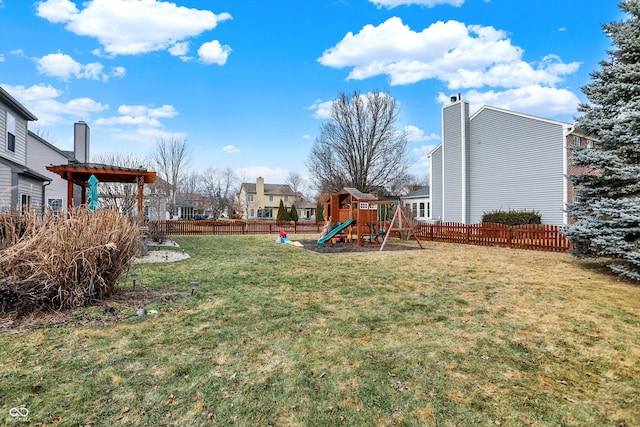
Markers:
(20, 186)
(184, 209)
(305, 207)
(261, 201)
(41, 153)
(419, 202)
(498, 159)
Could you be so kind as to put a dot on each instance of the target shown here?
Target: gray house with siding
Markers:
(498, 159)
(20, 185)
(41, 153)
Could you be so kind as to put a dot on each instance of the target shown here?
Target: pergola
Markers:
(79, 173)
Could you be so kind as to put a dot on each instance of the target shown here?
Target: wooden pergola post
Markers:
(140, 181)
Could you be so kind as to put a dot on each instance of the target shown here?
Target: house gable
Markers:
(498, 159)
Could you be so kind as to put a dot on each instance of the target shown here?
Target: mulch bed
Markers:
(337, 248)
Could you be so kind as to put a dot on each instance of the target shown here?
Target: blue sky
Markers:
(248, 82)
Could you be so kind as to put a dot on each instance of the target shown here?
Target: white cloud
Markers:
(321, 109)
(58, 65)
(230, 149)
(166, 111)
(390, 4)
(63, 66)
(306, 136)
(213, 53)
(421, 154)
(57, 11)
(462, 56)
(144, 136)
(533, 99)
(136, 121)
(415, 134)
(1, 57)
(42, 101)
(179, 49)
(131, 27)
(139, 116)
(139, 124)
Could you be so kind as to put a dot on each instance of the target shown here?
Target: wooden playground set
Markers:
(362, 219)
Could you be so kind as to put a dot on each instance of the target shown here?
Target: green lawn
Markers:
(275, 335)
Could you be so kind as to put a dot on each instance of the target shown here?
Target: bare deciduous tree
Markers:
(219, 187)
(120, 195)
(170, 159)
(360, 146)
(296, 182)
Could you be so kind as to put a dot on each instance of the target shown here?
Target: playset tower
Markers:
(362, 218)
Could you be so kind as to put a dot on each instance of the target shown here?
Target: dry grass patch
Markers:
(59, 263)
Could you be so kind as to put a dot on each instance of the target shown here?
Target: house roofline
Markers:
(4, 96)
(516, 113)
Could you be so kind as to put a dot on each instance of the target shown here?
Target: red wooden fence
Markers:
(534, 236)
(232, 227)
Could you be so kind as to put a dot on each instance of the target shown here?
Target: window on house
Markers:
(55, 205)
(25, 202)
(421, 209)
(265, 213)
(251, 213)
(428, 210)
(11, 133)
(414, 209)
(271, 198)
(576, 141)
(589, 143)
(250, 198)
(286, 199)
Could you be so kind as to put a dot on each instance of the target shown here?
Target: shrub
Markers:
(283, 213)
(61, 263)
(512, 217)
(319, 212)
(293, 214)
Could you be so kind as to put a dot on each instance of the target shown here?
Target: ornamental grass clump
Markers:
(59, 263)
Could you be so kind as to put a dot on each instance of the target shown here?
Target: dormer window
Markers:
(11, 133)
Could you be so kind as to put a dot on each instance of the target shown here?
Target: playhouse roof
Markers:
(357, 194)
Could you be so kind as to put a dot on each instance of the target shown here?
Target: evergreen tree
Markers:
(319, 212)
(283, 214)
(607, 205)
(293, 214)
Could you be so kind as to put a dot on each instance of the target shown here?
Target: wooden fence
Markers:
(536, 237)
(232, 227)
